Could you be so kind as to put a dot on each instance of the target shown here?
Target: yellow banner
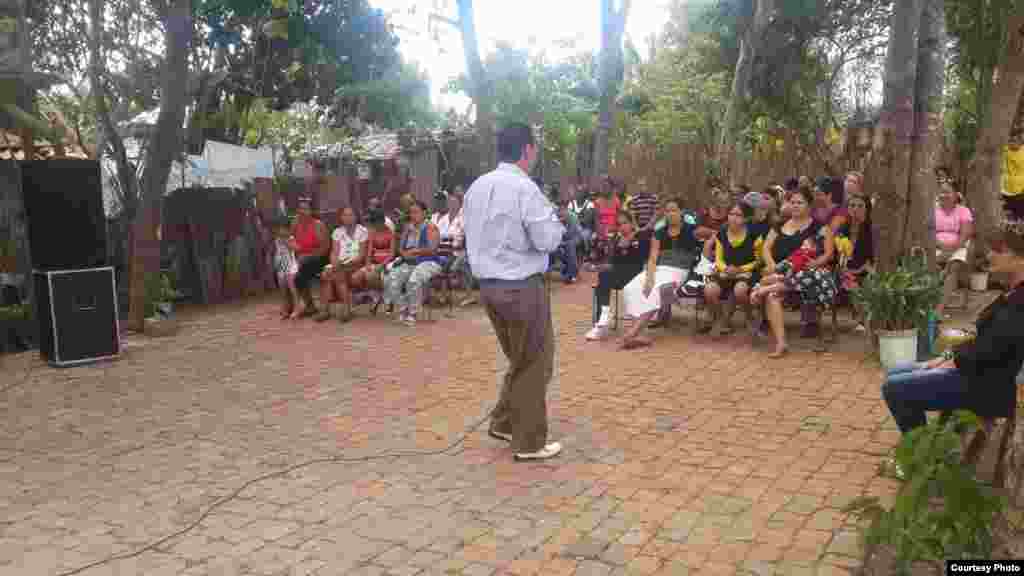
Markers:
(1013, 171)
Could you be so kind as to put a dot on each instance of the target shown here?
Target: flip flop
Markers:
(635, 344)
(778, 353)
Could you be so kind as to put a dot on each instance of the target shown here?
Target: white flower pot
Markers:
(898, 347)
(979, 281)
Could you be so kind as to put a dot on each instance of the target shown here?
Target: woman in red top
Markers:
(381, 246)
(606, 207)
(311, 246)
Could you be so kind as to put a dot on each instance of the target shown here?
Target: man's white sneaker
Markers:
(548, 451)
(499, 435)
(597, 333)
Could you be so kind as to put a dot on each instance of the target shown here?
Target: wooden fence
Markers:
(682, 171)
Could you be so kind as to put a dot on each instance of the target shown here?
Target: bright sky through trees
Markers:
(539, 24)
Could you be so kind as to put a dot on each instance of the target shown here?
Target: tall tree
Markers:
(928, 132)
(889, 177)
(985, 173)
(481, 87)
(753, 18)
(613, 25)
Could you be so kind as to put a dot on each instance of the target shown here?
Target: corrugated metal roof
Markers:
(384, 145)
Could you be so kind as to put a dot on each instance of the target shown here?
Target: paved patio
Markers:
(694, 456)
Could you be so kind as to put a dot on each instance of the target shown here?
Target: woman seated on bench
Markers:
(380, 244)
(629, 252)
(981, 374)
(737, 251)
(417, 265)
(674, 252)
(347, 256)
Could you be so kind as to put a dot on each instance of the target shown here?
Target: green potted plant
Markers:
(896, 304)
(8, 256)
(17, 328)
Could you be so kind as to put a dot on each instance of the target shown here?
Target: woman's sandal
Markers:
(779, 353)
(636, 343)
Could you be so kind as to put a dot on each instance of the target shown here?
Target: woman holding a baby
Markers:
(797, 260)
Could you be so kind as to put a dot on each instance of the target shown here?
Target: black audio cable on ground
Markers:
(269, 476)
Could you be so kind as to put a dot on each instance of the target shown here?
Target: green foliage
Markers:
(15, 312)
(528, 87)
(941, 512)
(158, 290)
(686, 104)
(899, 299)
(978, 33)
(400, 99)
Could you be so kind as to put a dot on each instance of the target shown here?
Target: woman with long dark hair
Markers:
(813, 282)
(855, 245)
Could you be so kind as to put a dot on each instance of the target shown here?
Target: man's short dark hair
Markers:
(512, 142)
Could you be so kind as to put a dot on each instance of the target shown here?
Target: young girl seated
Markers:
(785, 271)
(286, 267)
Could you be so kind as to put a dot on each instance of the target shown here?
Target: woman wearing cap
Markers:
(979, 375)
(312, 247)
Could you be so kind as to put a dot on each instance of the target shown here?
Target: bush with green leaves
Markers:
(942, 511)
(158, 289)
(900, 299)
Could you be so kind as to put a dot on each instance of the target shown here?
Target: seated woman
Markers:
(855, 245)
(954, 227)
(348, 254)
(737, 255)
(981, 374)
(712, 219)
(828, 211)
(380, 242)
(674, 252)
(312, 247)
(629, 252)
(813, 285)
(417, 265)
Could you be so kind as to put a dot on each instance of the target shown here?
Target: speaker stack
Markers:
(75, 289)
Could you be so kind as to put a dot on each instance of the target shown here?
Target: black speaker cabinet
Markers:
(77, 311)
(64, 203)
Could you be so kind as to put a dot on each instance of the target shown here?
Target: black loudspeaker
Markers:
(64, 203)
(77, 311)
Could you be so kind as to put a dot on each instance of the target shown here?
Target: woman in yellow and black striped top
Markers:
(737, 259)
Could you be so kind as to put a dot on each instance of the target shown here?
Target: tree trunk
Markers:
(891, 155)
(928, 135)
(985, 173)
(613, 24)
(480, 84)
(753, 27)
(165, 145)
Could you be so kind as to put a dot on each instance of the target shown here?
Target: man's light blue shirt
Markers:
(511, 228)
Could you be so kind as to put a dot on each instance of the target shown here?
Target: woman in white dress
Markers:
(674, 251)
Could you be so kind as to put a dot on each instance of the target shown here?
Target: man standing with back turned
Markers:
(511, 231)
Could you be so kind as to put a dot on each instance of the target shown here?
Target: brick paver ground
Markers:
(694, 456)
